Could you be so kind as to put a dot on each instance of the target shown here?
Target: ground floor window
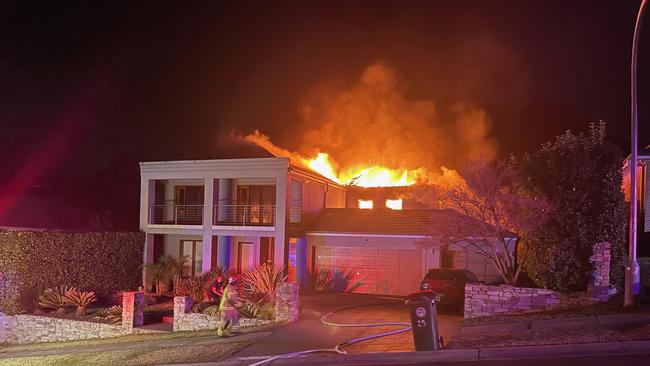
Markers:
(192, 252)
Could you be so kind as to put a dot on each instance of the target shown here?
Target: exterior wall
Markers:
(335, 197)
(380, 241)
(313, 199)
(643, 190)
(171, 243)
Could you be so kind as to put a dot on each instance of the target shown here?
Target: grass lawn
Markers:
(192, 353)
(595, 334)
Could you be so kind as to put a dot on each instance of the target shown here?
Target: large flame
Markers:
(372, 176)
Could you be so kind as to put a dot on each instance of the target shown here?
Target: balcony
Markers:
(244, 215)
(172, 214)
(225, 215)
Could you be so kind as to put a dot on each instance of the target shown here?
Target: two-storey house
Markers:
(231, 213)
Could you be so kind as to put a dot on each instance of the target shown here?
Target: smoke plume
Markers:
(374, 123)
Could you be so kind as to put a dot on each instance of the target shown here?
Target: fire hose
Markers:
(338, 349)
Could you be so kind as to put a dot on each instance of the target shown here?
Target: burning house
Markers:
(240, 213)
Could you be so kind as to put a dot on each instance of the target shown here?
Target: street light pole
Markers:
(632, 280)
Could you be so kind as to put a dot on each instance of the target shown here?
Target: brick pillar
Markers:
(182, 305)
(132, 309)
(600, 260)
(286, 301)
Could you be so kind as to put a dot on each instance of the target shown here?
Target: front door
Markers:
(245, 256)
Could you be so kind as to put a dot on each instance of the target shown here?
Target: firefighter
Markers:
(228, 307)
(216, 289)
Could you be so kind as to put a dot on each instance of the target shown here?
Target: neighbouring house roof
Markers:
(425, 222)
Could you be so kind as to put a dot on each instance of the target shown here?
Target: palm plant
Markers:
(54, 298)
(113, 314)
(80, 299)
(165, 270)
(197, 286)
(262, 282)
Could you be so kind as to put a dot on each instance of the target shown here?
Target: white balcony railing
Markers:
(231, 215)
(244, 215)
(173, 214)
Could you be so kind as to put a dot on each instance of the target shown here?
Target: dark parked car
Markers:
(448, 284)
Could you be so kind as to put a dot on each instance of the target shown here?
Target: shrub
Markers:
(113, 314)
(212, 310)
(260, 309)
(261, 282)
(80, 299)
(581, 176)
(55, 298)
(339, 280)
(197, 287)
(165, 270)
(99, 261)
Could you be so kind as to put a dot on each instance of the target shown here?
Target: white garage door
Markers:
(380, 271)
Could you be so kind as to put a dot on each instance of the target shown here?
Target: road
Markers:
(596, 360)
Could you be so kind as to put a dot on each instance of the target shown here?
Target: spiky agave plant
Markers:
(54, 298)
(113, 314)
(262, 281)
(80, 299)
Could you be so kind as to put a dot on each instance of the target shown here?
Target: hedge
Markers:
(30, 261)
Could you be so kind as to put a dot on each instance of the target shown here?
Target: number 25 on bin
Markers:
(421, 323)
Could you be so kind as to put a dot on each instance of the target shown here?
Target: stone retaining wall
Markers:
(287, 301)
(286, 309)
(484, 300)
(20, 329)
(185, 320)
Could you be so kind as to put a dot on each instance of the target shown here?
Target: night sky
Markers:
(87, 90)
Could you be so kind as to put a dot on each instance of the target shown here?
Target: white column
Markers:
(208, 199)
(224, 241)
(280, 218)
(147, 197)
(147, 258)
(302, 257)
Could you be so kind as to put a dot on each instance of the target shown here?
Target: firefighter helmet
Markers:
(233, 280)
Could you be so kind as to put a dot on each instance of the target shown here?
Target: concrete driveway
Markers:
(310, 333)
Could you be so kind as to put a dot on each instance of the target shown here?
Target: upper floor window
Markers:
(394, 204)
(367, 204)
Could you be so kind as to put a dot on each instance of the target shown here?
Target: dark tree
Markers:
(581, 177)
